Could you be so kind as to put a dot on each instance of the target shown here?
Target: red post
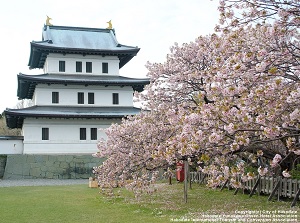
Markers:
(180, 171)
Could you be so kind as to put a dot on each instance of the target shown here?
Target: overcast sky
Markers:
(152, 25)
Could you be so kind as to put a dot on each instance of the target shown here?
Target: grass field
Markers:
(78, 203)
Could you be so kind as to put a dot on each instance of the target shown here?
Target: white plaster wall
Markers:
(63, 135)
(68, 95)
(11, 146)
(52, 64)
(34, 98)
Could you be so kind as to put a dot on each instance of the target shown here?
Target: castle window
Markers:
(55, 97)
(89, 67)
(105, 68)
(78, 66)
(115, 97)
(91, 98)
(93, 133)
(82, 134)
(45, 133)
(80, 98)
(62, 66)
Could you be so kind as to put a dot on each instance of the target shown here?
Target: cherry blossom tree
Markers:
(133, 150)
(227, 102)
(279, 21)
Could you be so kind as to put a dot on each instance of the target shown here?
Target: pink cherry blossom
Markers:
(286, 174)
(224, 101)
(262, 171)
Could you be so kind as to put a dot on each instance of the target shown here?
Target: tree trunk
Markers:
(186, 175)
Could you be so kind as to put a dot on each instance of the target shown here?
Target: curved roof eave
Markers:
(15, 117)
(27, 83)
(36, 59)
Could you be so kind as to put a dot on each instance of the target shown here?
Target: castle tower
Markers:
(79, 91)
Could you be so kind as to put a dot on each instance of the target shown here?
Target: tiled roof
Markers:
(78, 40)
(11, 137)
(27, 83)
(15, 117)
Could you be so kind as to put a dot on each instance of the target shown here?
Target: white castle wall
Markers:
(68, 95)
(11, 145)
(63, 135)
(52, 66)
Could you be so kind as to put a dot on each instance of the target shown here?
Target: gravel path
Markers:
(41, 182)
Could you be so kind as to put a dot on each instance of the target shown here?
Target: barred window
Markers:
(55, 97)
(62, 66)
(105, 68)
(93, 133)
(78, 66)
(89, 67)
(82, 133)
(45, 133)
(115, 97)
(80, 98)
(91, 98)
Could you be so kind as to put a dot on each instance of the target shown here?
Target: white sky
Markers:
(152, 25)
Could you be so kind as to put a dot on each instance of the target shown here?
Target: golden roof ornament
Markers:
(109, 25)
(48, 21)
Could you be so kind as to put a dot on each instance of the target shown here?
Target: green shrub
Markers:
(251, 169)
(296, 172)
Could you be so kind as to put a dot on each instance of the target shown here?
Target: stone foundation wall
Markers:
(50, 166)
(2, 165)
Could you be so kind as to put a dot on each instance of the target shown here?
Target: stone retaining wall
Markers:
(2, 165)
(50, 166)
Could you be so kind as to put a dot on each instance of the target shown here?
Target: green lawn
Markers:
(78, 203)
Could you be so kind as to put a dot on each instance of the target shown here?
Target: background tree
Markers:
(5, 131)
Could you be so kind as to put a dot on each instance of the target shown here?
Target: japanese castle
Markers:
(79, 92)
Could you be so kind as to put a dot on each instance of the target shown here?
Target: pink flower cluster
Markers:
(275, 162)
(262, 171)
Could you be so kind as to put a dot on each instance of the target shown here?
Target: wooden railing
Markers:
(280, 187)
